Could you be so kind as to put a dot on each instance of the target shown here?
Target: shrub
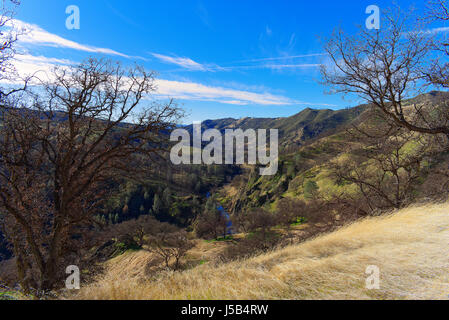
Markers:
(169, 246)
(289, 210)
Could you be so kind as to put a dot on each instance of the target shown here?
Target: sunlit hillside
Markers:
(410, 247)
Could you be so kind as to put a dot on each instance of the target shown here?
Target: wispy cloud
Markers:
(120, 15)
(187, 63)
(293, 66)
(283, 62)
(33, 68)
(35, 35)
(281, 58)
(197, 91)
(275, 66)
(437, 30)
(41, 67)
(203, 14)
(292, 41)
(42, 60)
(430, 32)
(268, 31)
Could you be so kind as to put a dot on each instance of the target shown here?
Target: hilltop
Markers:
(294, 130)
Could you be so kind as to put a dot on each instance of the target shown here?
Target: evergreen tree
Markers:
(291, 171)
(167, 197)
(157, 204)
(197, 188)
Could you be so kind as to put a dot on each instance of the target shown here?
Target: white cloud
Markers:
(40, 66)
(199, 92)
(190, 65)
(183, 90)
(41, 60)
(186, 63)
(196, 91)
(35, 35)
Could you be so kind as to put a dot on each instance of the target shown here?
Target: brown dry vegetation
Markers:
(410, 247)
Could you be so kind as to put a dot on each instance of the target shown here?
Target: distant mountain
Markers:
(294, 130)
(432, 98)
(311, 123)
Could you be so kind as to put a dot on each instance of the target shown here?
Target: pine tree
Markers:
(197, 188)
(291, 171)
(157, 204)
(167, 197)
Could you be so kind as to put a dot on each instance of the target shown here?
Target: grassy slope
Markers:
(410, 247)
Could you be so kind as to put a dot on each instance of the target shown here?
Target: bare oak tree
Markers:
(384, 67)
(289, 210)
(211, 223)
(61, 147)
(386, 166)
(9, 34)
(133, 232)
(438, 72)
(169, 243)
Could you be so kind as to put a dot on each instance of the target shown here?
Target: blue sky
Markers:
(219, 59)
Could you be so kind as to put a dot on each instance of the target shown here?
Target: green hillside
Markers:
(314, 140)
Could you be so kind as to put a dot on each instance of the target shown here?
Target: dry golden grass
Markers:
(411, 248)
